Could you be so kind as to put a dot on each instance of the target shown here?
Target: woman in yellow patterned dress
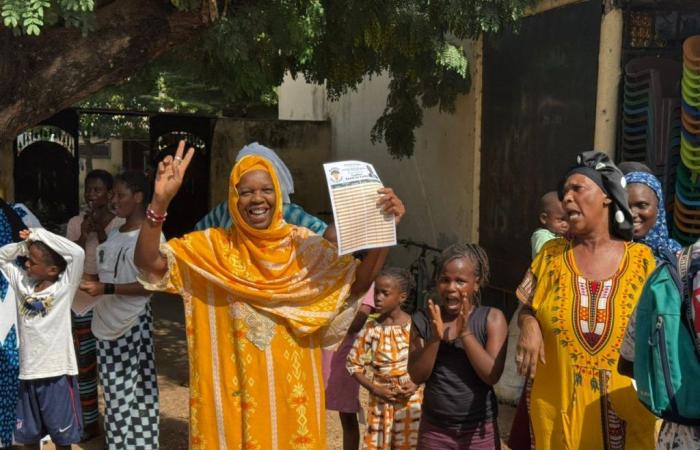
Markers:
(578, 296)
(261, 298)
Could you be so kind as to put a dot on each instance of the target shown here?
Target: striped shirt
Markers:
(219, 217)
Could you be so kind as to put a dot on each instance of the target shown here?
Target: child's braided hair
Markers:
(402, 276)
(473, 252)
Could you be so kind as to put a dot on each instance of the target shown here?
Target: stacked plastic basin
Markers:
(651, 113)
(636, 113)
(686, 211)
(651, 118)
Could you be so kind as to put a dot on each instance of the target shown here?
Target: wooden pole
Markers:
(609, 73)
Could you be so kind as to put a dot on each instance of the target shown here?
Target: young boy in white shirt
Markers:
(48, 393)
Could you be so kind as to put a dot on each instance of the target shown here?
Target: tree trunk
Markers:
(45, 74)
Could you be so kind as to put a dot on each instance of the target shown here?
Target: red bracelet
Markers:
(154, 217)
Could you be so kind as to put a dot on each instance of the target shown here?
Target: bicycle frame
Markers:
(424, 279)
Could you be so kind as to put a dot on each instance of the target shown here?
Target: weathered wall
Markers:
(303, 146)
(439, 184)
(299, 100)
(113, 165)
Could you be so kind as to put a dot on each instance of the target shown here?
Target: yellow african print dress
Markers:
(254, 358)
(384, 349)
(259, 305)
(578, 399)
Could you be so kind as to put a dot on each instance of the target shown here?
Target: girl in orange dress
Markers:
(394, 401)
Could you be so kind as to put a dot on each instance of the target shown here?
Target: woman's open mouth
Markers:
(258, 214)
(573, 215)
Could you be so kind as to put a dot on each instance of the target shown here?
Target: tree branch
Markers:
(45, 74)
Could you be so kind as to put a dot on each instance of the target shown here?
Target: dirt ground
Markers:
(171, 362)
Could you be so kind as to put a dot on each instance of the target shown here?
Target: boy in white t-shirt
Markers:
(48, 393)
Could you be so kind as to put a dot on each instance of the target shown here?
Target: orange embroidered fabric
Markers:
(259, 304)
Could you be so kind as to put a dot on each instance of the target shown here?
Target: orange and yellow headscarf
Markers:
(278, 228)
(284, 271)
(268, 249)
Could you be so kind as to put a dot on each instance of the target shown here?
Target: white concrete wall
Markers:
(299, 100)
(439, 184)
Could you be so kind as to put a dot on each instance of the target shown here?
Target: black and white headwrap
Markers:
(598, 167)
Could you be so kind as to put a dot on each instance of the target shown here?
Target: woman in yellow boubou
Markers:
(261, 299)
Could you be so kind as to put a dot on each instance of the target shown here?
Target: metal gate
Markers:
(192, 201)
(46, 169)
(538, 113)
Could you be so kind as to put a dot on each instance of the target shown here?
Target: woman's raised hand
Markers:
(391, 203)
(171, 171)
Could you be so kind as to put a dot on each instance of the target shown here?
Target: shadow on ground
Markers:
(170, 339)
(172, 366)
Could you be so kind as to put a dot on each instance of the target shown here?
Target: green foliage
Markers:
(419, 43)
(105, 126)
(244, 55)
(181, 82)
(30, 16)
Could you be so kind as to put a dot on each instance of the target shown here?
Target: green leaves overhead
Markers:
(243, 56)
(11, 13)
(30, 16)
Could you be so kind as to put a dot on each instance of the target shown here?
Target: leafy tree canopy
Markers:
(244, 53)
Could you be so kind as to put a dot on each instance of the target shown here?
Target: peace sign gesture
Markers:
(171, 171)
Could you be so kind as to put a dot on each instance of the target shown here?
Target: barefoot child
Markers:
(48, 393)
(458, 350)
(394, 401)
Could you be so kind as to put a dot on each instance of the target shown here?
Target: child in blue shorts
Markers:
(49, 401)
